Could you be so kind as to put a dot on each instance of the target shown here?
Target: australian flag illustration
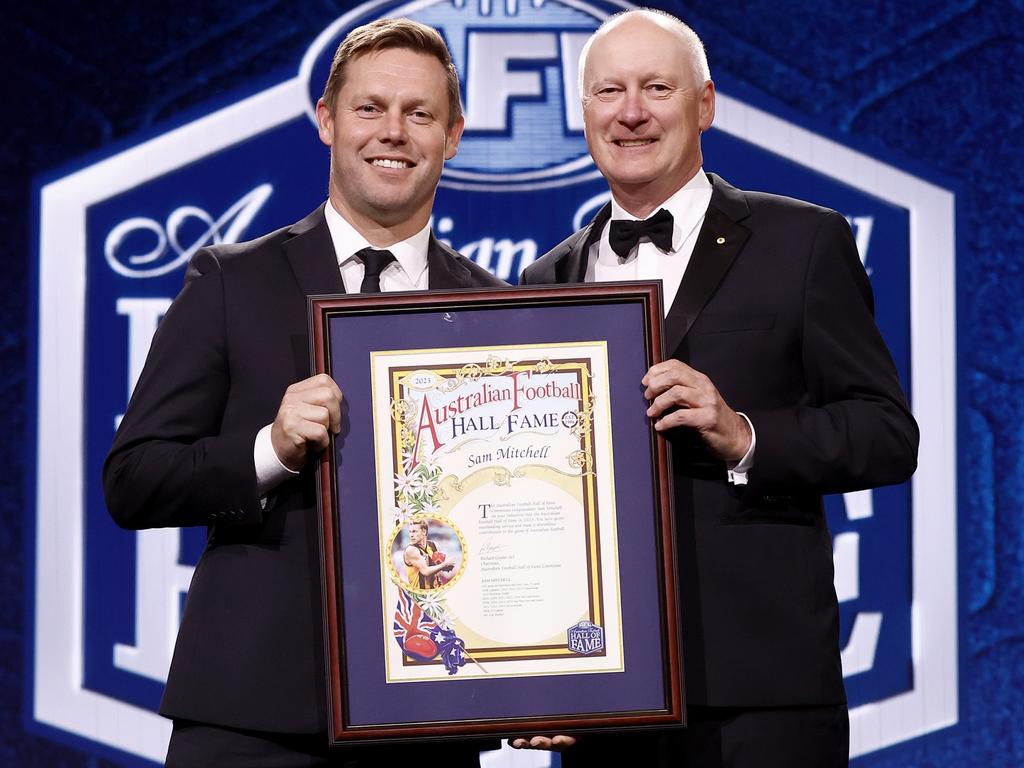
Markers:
(423, 639)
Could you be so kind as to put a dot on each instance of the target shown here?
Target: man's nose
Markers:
(393, 128)
(633, 110)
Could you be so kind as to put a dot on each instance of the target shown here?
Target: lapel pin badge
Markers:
(720, 241)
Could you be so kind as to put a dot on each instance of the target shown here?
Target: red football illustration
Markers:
(420, 647)
(437, 558)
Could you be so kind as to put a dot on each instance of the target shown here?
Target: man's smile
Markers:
(385, 162)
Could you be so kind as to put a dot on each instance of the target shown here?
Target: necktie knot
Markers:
(624, 234)
(374, 262)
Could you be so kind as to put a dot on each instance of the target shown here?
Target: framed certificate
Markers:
(495, 516)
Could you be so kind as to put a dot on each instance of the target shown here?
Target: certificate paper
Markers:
(496, 512)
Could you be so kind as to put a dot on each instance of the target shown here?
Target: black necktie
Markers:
(374, 262)
(624, 234)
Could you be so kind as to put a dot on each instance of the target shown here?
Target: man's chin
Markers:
(633, 182)
(394, 209)
(638, 170)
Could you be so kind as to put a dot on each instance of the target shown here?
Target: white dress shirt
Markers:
(407, 273)
(648, 262)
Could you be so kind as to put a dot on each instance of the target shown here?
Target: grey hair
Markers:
(692, 43)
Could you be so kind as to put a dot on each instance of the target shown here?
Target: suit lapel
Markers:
(311, 254)
(719, 241)
(572, 267)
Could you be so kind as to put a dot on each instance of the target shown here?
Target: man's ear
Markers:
(707, 106)
(324, 123)
(452, 137)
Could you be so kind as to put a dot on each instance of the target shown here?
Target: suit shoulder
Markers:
(242, 260)
(792, 220)
(543, 269)
(480, 275)
(227, 255)
(793, 209)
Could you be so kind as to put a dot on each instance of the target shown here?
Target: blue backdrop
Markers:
(935, 89)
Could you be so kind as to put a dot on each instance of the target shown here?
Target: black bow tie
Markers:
(374, 262)
(624, 234)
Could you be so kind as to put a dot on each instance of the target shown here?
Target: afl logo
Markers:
(517, 60)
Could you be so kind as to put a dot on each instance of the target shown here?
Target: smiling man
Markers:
(224, 426)
(778, 388)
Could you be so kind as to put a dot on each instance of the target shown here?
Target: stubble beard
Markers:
(381, 204)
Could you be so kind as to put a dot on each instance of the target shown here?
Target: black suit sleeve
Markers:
(855, 429)
(171, 464)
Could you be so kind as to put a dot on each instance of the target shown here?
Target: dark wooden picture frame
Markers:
(363, 706)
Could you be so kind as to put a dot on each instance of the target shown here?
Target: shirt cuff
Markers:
(270, 472)
(737, 470)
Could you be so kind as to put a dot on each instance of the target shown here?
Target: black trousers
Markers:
(726, 737)
(197, 745)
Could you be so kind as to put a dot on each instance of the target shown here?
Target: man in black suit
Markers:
(224, 426)
(778, 389)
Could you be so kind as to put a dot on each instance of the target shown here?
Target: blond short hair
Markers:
(384, 34)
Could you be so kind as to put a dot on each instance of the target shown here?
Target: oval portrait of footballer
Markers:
(427, 554)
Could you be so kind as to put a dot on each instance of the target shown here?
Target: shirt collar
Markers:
(687, 205)
(410, 253)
